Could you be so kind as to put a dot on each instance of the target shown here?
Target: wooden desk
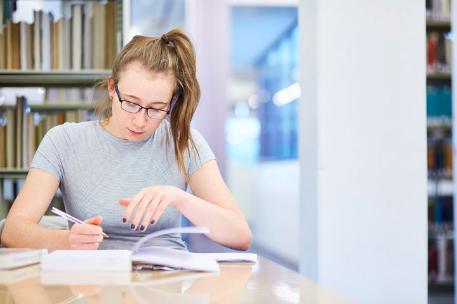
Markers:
(266, 282)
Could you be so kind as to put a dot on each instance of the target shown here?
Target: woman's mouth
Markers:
(135, 133)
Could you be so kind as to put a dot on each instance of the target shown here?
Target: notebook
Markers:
(122, 260)
(17, 257)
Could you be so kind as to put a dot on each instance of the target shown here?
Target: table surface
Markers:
(264, 282)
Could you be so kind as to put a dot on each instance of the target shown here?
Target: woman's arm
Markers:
(210, 205)
(22, 228)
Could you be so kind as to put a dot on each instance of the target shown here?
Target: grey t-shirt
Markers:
(96, 169)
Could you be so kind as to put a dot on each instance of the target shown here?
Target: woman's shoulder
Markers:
(69, 129)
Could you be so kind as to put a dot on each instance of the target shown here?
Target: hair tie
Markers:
(167, 40)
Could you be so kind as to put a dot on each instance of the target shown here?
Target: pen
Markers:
(71, 218)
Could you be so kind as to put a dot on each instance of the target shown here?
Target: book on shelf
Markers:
(439, 53)
(84, 40)
(37, 39)
(439, 10)
(123, 260)
(439, 158)
(12, 45)
(21, 130)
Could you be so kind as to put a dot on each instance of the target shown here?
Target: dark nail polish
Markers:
(124, 220)
(152, 222)
(132, 226)
(142, 227)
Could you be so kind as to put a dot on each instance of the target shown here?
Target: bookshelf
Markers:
(61, 57)
(69, 78)
(440, 149)
(43, 79)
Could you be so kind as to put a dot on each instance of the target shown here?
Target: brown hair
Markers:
(174, 52)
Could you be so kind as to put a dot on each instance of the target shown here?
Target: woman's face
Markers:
(139, 86)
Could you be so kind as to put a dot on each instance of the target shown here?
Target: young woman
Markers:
(127, 172)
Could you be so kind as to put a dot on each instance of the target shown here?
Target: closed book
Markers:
(2, 145)
(10, 138)
(37, 15)
(2, 48)
(87, 260)
(87, 35)
(98, 35)
(12, 45)
(16, 257)
(46, 42)
(110, 27)
(56, 53)
(25, 46)
(76, 36)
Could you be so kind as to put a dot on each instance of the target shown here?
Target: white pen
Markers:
(71, 218)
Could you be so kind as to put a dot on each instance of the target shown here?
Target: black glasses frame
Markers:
(140, 107)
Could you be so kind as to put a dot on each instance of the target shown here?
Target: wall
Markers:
(363, 144)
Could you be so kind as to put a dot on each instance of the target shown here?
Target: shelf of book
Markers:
(13, 173)
(438, 76)
(440, 149)
(9, 78)
(53, 107)
(438, 24)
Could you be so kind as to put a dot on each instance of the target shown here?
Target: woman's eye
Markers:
(131, 105)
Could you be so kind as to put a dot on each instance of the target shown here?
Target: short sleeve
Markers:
(48, 156)
(201, 156)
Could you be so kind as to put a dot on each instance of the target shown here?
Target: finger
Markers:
(97, 220)
(87, 229)
(152, 212)
(132, 205)
(88, 239)
(125, 201)
(140, 210)
(160, 210)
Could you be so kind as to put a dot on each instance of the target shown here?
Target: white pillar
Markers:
(208, 25)
(363, 148)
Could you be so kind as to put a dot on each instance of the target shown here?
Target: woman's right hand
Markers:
(86, 236)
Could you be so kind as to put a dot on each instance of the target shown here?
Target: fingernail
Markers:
(142, 227)
(124, 220)
(152, 222)
(132, 226)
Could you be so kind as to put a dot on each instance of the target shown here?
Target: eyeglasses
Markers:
(132, 107)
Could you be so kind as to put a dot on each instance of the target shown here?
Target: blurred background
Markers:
(248, 67)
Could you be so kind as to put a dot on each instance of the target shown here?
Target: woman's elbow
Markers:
(246, 240)
(6, 237)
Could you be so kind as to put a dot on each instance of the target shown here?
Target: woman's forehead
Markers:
(137, 77)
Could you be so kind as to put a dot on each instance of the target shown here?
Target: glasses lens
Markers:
(130, 107)
(157, 114)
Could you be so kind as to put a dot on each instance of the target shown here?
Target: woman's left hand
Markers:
(150, 202)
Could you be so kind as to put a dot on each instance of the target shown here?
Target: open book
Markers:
(122, 260)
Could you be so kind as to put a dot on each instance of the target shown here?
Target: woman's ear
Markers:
(110, 86)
